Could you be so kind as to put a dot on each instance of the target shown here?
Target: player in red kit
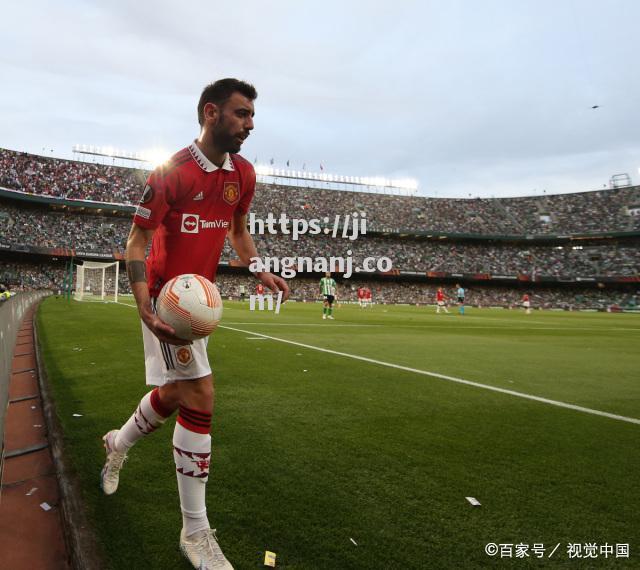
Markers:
(367, 297)
(361, 296)
(189, 206)
(259, 289)
(526, 304)
(441, 301)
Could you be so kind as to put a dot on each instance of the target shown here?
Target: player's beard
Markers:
(223, 139)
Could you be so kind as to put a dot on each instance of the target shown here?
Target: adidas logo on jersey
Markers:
(199, 196)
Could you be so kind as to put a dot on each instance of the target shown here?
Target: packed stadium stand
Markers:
(568, 250)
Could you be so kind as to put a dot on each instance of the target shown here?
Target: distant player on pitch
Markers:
(526, 304)
(461, 293)
(367, 297)
(328, 291)
(201, 184)
(441, 301)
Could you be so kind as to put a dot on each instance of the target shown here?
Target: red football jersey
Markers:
(439, 296)
(360, 293)
(260, 289)
(367, 293)
(190, 203)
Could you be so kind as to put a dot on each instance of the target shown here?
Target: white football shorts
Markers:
(526, 304)
(165, 363)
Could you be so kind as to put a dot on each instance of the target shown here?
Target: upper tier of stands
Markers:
(614, 210)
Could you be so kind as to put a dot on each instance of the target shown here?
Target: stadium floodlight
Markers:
(155, 156)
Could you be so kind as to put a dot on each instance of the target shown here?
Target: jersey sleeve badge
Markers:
(147, 195)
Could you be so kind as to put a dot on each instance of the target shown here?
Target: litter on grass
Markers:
(473, 501)
(354, 542)
(45, 506)
(270, 559)
(77, 415)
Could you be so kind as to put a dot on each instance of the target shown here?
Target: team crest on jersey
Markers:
(231, 192)
(184, 356)
(147, 195)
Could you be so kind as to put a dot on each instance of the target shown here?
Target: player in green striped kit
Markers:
(328, 289)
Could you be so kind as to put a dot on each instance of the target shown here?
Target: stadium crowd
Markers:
(29, 276)
(32, 276)
(604, 210)
(307, 290)
(76, 180)
(42, 227)
(48, 228)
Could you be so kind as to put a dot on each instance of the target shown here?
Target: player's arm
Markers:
(242, 243)
(137, 273)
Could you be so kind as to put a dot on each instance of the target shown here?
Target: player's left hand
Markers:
(275, 283)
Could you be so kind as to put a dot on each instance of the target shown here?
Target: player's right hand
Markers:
(162, 330)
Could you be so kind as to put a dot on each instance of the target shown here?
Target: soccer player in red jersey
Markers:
(526, 304)
(440, 301)
(189, 206)
(259, 289)
(361, 296)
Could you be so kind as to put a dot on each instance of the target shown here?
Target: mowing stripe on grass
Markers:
(448, 378)
(556, 403)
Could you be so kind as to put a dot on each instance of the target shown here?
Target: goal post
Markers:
(97, 281)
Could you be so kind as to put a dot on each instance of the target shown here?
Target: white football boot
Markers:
(110, 474)
(203, 551)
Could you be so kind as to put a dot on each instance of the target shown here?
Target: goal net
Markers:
(97, 281)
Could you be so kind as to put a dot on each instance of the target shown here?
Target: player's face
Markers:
(233, 124)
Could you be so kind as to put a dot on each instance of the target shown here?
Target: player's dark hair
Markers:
(219, 93)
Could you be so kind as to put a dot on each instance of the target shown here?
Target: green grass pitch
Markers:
(313, 451)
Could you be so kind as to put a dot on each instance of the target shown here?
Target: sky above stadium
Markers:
(471, 98)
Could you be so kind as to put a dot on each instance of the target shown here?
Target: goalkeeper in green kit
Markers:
(328, 290)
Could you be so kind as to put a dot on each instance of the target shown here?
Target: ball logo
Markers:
(190, 223)
(184, 356)
(231, 192)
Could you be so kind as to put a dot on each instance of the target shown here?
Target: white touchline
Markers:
(443, 377)
(448, 378)
(332, 325)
